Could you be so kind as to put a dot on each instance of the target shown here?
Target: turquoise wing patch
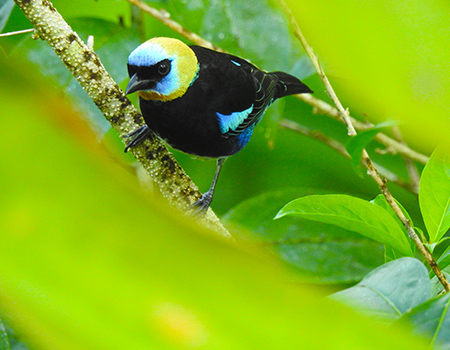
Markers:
(232, 121)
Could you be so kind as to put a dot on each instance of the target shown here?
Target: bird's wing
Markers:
(237, 92)
(250, 92)
(235, 123)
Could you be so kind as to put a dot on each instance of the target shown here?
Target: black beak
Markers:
(136, 84)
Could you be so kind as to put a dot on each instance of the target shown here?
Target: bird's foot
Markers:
(138, 135)
(201, 206)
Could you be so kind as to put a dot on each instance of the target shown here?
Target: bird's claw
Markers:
(138, 135)
(201, 206)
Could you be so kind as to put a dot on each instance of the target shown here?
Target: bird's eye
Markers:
(164, 67)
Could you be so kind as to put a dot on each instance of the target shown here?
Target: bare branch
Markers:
(340, 148)
(391, 144)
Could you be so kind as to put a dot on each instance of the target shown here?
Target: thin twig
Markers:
(164, 17)
(340, 148)
(410, 166)
(365, 156)
(87, 68)
(336, 145)
(17, 32)
(392, 145)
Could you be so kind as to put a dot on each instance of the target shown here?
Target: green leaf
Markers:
(352, 214)
(444, 259)
(6, 7)
(436, 286)
(357, 143)
(390, 254)
(390, 290)
(321, 252)
(381, 201)
(432, 319)
(4, 341)
(434, 193)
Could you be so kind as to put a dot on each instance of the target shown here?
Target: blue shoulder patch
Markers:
(233, 120)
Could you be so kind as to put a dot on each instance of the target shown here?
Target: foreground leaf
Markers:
(384, 47)
(433, 320)
(434, 193)
(353, 214)
(389, 290)
(88, 261)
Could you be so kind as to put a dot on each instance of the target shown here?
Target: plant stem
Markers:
(340, 148)
(392, 145)
(365, 156)
(164, 18)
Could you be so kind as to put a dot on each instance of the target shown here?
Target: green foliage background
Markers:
(89, 260)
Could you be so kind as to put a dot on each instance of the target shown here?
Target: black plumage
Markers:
(215, 115)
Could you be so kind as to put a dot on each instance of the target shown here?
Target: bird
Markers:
(200, 101)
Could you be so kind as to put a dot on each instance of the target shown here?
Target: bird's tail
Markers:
(289, 85)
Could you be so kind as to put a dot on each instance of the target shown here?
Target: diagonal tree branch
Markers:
(87, 68)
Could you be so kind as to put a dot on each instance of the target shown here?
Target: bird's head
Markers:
(161, 69)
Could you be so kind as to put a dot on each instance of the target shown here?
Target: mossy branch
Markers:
(86, 67)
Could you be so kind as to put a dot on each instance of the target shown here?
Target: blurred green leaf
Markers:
(89, 261)
(353, 214)
(6, 7)
(432, 319)
(323, 253)
(386, 59)
(4, 341)
(109, 10)
(434, 193)
(390, 290)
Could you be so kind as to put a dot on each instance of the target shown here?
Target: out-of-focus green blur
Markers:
(89, 262)
(386, 59)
